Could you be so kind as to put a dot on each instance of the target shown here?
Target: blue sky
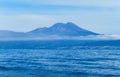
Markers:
(102, 16)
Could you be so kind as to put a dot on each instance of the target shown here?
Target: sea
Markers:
(60, 58)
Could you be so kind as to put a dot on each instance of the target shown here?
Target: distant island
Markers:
(59, 36)
(58, 30)
(61, 29)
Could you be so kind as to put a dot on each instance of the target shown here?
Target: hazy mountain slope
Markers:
(6, 33)
(68, 29)
(58, 30)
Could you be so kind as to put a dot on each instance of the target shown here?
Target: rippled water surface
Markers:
(59, 63)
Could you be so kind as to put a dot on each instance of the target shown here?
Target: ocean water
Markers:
(59, 63)
(60, 44)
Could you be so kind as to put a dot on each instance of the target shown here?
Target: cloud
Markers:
(56, 37)
(66, 2)
(91, 37)
(94, 15)
(110, 4)
(25, 22)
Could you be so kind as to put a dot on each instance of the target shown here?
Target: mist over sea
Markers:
(60, 58)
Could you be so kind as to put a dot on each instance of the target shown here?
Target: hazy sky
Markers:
(102, 16)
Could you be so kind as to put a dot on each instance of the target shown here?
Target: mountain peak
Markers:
(63, 29)
(70, 23)
(65, 25)
(58, 30)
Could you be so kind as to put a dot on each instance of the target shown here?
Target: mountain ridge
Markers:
(59, 29)
(62, 29)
